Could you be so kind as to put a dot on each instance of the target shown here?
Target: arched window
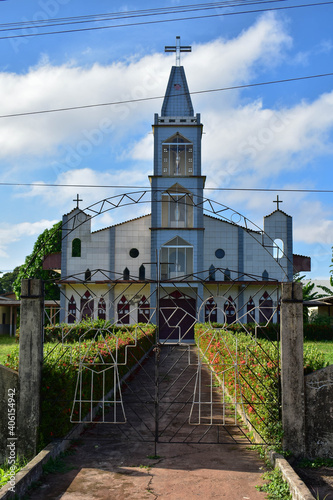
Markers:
(211, 276)
(177, 156)
(227, 275)
(210, 311)
(278, 249)
(76, 247)
(230, 310)
(123, 309)
(265, 308)
(126, 274)
(71, 310)
(87, 275)
(265, 276)
(143, 310)
(176, 259)
(101, 309)
(251, 312)
(87, 306)
(142, 272)
(177, 207)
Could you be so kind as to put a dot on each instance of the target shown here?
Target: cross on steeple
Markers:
(77, 199)
(277, 201)
(178, 49)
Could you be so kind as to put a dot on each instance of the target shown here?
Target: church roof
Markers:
(257, 231)
(77, 210)
(278, 210)
(177, 99)
(121, 223)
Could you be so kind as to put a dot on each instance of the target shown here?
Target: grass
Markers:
(6, 345)
(326, 347)
(276, 488)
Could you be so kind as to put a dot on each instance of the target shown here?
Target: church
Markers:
(190, 259)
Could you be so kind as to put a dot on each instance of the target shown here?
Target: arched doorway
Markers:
(177, 317)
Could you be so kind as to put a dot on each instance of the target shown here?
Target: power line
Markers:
(254, 11)
(149, 188)
(128, 14)
(143, 99)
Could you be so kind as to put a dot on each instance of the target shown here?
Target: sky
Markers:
(275, 138)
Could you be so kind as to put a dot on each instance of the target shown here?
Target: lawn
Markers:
(6, 344)
(326, 347)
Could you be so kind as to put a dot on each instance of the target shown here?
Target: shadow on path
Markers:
(118, 461)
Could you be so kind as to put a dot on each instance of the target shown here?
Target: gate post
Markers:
(30, 365)
(292, 369)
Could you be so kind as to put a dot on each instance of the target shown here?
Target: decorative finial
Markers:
(277, 201)
(178, 49)
(77, 199)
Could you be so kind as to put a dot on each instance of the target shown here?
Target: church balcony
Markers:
(179, 120)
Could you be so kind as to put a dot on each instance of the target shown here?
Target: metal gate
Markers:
(175, 378)
(188, 359)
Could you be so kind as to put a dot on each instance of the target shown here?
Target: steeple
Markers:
(177, 183)
(177, 99)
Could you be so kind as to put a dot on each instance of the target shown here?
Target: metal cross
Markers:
(277, 201)
(178, 49)
(77, 199)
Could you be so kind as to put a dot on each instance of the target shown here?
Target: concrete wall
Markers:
(319, 413)
(8, 387)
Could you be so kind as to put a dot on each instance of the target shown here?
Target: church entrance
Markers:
(177, 317)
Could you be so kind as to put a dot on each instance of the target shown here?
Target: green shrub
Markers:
(313, 331)
(255, 385)
(62, 361)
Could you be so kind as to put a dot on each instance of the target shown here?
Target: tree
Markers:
(310, 294)
(47, 243)
(7, 281)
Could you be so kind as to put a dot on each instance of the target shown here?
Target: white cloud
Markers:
(312, 224)
(218, 63)
(63, 197)
(12, 233)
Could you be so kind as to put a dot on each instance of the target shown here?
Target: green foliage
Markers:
(313, 359)
(6, 344)
(316, 463)
(319, 332)
(6, 470)
(257, 376)
(7, 281)
(269, 332)
(325, 347)
(319, 319)
(62, 362)
(47, 243)
(276, 488)
(58, 465)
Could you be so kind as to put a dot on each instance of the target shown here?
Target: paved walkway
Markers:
(117, 461)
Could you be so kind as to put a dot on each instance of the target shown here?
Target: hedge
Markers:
(61, 368)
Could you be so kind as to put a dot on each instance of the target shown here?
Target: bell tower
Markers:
(177, 184)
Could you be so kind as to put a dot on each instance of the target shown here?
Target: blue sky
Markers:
(271, 137)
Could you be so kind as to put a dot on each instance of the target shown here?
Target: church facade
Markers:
(189, 255)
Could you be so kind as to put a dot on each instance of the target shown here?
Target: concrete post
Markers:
(292, 371)
(30, 365)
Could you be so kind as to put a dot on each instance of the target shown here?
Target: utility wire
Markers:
(143, 99)
(93, 18)
(149, 188)
(254, 11)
